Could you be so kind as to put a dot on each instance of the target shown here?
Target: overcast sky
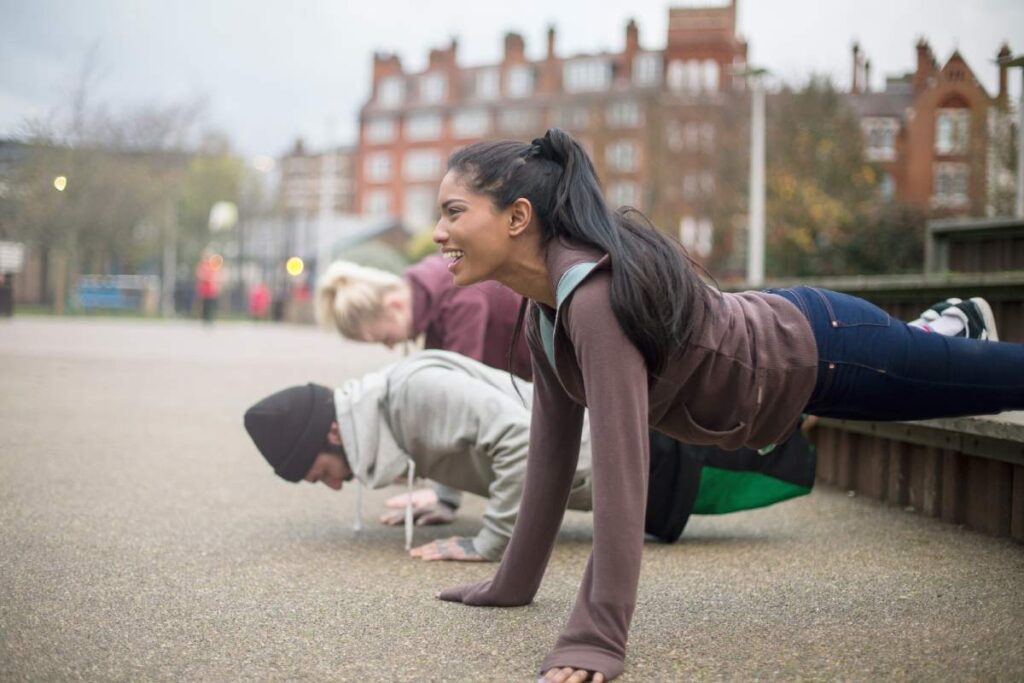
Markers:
(273, 70)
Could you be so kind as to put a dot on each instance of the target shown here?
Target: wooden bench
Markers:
(966, 470)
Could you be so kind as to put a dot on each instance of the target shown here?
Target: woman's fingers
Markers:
(569, 675)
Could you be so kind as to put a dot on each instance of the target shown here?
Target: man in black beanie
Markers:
(296, 431)
(462, 424)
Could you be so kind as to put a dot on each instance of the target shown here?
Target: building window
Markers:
(572, 119)
(698, 185)
(709, 76)
(581, 75)
(952, 131)
(391, 91)
(880, 137)
(696, 235)
(624, 114)
(950, 184)
(621, 155)
(423, 127)
(707, 137)
(433, 88)
(519, 81)
(488, 83)
(421, 164)
(623, 193)
(380, 129)
(378, 203)
(378, 166)
(519, 120)
(886, 186)
(693, 75)
(471, 123)
(647, 69)
(420, 207)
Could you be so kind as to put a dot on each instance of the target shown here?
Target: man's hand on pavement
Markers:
(457, 548)
(439, 513)
(421, 498)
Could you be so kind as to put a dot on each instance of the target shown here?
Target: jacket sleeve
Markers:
(555, 429)
(615, 377)
(452, 411)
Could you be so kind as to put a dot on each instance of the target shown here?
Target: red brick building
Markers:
(931, 132)
(647, 117)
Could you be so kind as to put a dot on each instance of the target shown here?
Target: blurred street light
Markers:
(60, 183)
(295, 266)
(223, 216)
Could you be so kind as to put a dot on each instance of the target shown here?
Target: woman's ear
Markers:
(520, 215)
(334, 436)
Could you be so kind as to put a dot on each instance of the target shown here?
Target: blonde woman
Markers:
(371, 305)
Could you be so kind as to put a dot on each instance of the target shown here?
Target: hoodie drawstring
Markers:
(408, 505)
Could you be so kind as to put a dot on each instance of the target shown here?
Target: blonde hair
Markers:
(349, 295)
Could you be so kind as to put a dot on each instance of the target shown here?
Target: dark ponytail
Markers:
(656, 293)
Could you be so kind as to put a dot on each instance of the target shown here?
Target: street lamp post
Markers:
(1019, 205)
(756, 217)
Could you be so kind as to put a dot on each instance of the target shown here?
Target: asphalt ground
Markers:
(142, 537)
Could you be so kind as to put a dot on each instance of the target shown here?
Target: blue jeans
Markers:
(874, 367)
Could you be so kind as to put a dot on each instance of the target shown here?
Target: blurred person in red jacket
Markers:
(208, 284)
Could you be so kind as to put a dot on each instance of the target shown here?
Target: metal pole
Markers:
(756, 239)
(1019, 208)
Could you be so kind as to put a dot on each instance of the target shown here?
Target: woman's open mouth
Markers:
(454, 256)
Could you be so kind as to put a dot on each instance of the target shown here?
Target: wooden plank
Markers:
(872, 465)
(976, 490)
(1000, 490)
(954, 486)
(845, 459)
(898, 484)
(931, 503)
(1017, 504)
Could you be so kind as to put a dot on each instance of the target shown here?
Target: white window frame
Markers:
(952, 130)
(624, 193)
(391, 91)
(589, 74)
(697, 235)
(622, 155)
(433, 87)
(624, 114)
(380, 129)
(421, 164)
(423, 126)
(518, 120)
(487, 83)
(378, 202)
(419, 206)
(647, 69)
(519, 81)
(952, 181)
(471, 123)
(377, 167)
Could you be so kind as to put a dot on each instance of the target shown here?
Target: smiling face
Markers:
(473, 233)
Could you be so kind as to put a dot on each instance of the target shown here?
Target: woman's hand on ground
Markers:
(457, 548)
(421, 498)
(569, 675)
(429, 516)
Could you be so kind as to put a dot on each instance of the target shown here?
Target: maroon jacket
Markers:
(744, 378)
(476, 321)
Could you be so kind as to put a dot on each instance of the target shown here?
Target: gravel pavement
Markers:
(142, 537)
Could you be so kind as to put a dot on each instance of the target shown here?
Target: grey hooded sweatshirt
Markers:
(460, 422)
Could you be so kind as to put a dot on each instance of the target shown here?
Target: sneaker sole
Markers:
(986, 315)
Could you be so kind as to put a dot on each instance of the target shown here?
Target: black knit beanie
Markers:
(291, 427)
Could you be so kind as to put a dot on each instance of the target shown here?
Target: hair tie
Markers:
(543, 149)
